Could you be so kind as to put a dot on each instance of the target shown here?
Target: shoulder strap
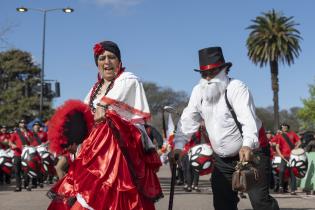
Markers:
(22, 137)
(287, 139)
(38, 140)
(239, 126)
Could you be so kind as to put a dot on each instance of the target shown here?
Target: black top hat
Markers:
(211, 58)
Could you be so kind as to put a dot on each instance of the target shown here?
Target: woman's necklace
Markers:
(97, 90)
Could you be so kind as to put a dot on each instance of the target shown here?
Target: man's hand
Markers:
(246, 154)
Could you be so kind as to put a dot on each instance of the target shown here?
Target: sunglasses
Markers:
(210, 73)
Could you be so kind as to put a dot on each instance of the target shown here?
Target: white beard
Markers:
(212, 90)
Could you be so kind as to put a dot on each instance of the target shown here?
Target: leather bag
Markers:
(245, 177)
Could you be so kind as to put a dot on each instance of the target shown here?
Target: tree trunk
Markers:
(275, 89)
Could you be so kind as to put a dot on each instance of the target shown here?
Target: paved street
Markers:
(36, 199)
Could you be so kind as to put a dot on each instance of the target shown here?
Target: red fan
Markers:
(70, 124)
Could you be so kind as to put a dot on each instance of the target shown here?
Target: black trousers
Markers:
(224, 198)
(191, 176)
(19, 173)
(4, 178)
(283, 166)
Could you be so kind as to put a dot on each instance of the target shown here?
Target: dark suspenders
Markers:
(239, 126)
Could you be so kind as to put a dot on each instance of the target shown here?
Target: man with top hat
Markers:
(4, 144)
(20, 138)
(235, 132)
(286, 142)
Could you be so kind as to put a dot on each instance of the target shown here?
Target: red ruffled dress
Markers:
(111, 172)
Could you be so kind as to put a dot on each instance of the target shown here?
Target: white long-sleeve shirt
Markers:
(225, 138)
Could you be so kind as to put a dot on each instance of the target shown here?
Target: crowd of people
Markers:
(12, 143)
(119, 158)
(282, 142)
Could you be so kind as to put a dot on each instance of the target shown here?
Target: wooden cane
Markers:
(170, 204)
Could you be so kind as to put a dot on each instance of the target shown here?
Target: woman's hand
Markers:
(99, 115)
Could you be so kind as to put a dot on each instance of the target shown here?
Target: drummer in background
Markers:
(4, 144)
(38, 135)
(273, 152)
(191, 177)
(37, 138)
(19, 138)
(286, 142)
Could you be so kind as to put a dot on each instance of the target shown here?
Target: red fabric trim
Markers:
(145, 115)
(210, 66)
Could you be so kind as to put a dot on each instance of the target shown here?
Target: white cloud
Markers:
(119, 3)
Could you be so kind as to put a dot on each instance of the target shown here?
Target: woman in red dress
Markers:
(116, 166)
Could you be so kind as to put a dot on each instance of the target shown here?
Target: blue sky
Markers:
(159, 41)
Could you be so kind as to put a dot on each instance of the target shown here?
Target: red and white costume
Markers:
(37, 138)
(4, 140)
(112, 170)
(20, 138)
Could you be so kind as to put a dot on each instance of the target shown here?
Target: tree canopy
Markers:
(307, 113)
(158, 97)
(273, 38)
(20, 85)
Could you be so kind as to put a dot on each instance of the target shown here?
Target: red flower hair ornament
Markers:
(98, 49)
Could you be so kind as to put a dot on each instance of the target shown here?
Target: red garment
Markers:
(273, 151)
(283, 145)
(15, 139)
(4, 137)
(37, 138)
(194, 140)
(105, 177)
(262, 138)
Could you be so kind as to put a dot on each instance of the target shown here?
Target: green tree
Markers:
(158, 97)
(20, 87)
(288, 116)
(307, 113)
(273, 38)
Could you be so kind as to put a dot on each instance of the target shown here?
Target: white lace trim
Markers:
(83, 203)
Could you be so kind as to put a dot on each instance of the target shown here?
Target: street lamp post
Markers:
(42, 81)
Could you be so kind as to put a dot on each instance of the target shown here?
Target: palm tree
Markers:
(273, 38)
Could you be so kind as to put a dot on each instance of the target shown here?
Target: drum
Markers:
(276, 168)
(48, 160)
(31, 161)
(201, 158)
(298, 162)
(6, 161)
(276, 164)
